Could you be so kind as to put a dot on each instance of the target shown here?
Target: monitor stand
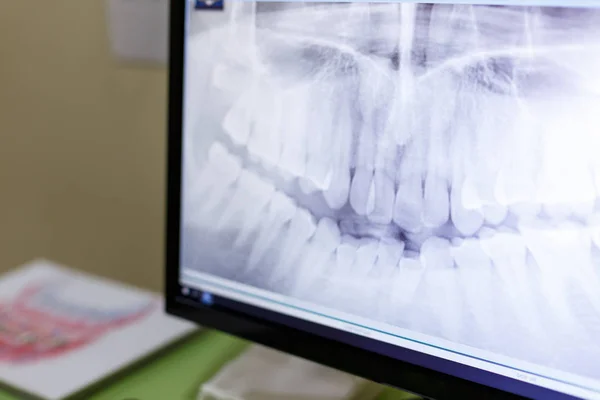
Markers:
(260, 373)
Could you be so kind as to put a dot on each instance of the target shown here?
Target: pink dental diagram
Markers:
(431, 167)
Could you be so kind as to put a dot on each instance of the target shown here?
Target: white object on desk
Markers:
(264, 374)
(61, 330)
(138, 30)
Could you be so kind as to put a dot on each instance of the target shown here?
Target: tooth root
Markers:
(468, 222)
(281, 210)
(265, 140)
(362, 196)
(436, 208)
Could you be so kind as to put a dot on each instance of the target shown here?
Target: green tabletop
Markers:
(177, 373)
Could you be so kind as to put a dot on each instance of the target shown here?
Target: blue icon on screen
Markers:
(207, 299)
(209, 4)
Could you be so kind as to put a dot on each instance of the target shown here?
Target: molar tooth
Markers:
(215, 179)
(250, 189)
(281, 210)
(405, 283)
(301, 228)
(317, 252)
(390, 254)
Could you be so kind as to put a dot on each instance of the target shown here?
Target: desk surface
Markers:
(178, 373)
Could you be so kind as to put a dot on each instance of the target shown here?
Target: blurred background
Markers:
(82, 145)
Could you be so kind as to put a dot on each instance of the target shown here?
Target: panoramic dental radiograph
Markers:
(431, 167)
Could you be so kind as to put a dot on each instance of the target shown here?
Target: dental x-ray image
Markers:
(432, 167)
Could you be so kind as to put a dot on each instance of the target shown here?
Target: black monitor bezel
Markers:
(373, 366)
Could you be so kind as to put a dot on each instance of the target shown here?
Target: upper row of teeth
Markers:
(472, 171)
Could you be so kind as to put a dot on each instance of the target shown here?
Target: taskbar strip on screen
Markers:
(525, 372)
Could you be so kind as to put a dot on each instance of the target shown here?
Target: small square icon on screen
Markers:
(209, 4)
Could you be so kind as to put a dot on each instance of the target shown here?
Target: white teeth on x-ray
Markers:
(548, 251)
(408, 204)
(476, 276)
(436, 253)
(320, 119)
(366, 256)
(317, 253)
(389, 254)
(345, 254)
(265, 140)
(337, 194)
(221, 171)
(293, 153)
(467, 221)
(281, 210)
(384, 197)
(301, 228)
(362, 192)
(251, 189)
(565, 253)
(508, 253)
(436, 209)
(404, 285)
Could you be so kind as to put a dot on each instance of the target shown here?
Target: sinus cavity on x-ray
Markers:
(432, 167)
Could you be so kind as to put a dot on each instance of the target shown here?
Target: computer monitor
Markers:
(406, 191)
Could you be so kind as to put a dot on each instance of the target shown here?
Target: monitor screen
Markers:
(421, 176)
